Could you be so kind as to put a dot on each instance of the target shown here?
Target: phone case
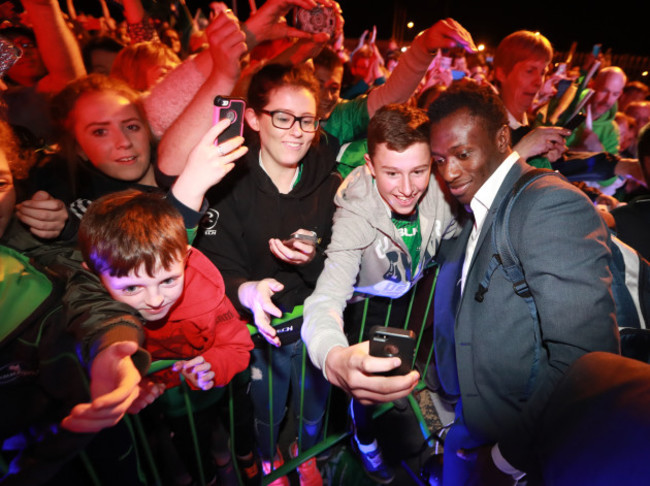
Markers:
(386, 342)
(233, 109)
(318, 19)
(9, 54)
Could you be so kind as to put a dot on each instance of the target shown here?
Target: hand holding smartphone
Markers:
(387, 342)
(310, 238)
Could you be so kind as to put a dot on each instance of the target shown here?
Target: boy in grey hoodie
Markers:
(390, 217)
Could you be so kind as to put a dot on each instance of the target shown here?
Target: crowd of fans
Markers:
(117, 194)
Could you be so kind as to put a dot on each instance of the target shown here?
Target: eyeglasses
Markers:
(285, 121)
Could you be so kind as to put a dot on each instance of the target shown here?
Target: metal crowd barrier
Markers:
(331, 437)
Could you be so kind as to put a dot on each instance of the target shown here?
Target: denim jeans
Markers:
(454, 469)
(286, 379)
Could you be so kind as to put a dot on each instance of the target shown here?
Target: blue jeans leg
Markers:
(456, 471)
(316, 389)
(286, 368)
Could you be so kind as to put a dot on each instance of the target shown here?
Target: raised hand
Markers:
(207, 164)
(256, 295)
(269, 22)
(114, 386)
(197, 371)
(45, 215)
(448, 33)
(227, 44)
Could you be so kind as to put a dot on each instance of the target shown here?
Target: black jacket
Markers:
(246, 210)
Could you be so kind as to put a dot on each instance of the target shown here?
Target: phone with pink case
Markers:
(233, 110)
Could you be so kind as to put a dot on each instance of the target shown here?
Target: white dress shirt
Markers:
(480, 205)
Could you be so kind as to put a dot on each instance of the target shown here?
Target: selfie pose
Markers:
(390, 217)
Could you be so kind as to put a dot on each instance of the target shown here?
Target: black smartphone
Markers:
(574, 122)
(386, 342)
(233, 110)
(318, 19)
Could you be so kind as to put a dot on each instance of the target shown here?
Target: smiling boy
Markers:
(136, 243)
(391, 215)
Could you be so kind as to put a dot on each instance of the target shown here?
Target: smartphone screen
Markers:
(456, 75)
(596, 50)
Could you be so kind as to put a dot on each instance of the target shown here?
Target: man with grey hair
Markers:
(598, 133)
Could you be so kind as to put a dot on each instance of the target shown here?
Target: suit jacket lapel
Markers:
(513, 175)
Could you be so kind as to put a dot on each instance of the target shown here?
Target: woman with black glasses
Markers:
(268, 220)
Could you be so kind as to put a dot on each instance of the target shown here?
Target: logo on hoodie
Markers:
(209, 222)
(13, 372)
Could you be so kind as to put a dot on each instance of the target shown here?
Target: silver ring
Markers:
(220, 150)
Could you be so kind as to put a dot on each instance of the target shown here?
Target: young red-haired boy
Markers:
(137, 244)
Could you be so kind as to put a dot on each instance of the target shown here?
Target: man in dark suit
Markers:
(507, 362)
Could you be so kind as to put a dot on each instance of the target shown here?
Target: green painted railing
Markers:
(330, 437)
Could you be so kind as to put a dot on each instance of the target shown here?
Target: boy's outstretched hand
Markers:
(114, 386)
(197, 371)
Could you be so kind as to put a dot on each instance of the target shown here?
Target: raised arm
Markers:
(413, 64)
(348, 367)
(226, 47)
(207, 164)
(166, 101)
(56, 43)
(268, 23)
(139, 25)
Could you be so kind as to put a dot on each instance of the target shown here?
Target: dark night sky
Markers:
(488, 21)
(620, 26)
